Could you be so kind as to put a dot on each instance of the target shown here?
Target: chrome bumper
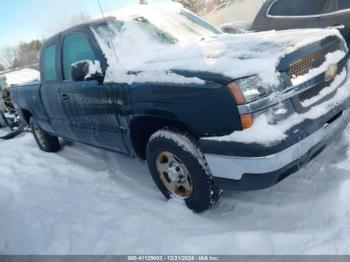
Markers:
(231, 167)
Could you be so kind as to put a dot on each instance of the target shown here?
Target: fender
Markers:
(208, 109)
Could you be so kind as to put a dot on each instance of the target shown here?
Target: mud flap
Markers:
(13, 133)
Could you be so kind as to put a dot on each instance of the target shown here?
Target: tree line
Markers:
(26, 53)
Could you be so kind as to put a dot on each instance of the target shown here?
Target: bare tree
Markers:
(28, 53)
(8, 56)
(22, 55)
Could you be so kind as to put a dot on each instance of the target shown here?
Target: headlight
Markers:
(250, 89)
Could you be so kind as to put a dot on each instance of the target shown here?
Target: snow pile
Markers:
(188, 43)
(90, 201)
(22, 76)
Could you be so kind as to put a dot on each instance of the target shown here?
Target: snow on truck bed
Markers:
(85, 200)
(22, 76)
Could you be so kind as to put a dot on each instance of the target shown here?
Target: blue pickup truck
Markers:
(207, 110)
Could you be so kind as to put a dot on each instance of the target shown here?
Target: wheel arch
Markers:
(25, 115)
(143, 127)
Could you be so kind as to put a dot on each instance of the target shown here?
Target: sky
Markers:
(24, 20)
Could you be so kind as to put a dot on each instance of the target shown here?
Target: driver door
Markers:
(93, 117)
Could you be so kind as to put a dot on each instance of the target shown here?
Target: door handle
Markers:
(65, 97)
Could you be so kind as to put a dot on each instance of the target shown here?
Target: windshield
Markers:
(183, 26)
(142, 33)
(114, 28)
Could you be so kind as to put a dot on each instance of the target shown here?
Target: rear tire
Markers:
(45, 141)
(179, 169)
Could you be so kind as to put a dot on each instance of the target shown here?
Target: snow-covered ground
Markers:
(85, 200)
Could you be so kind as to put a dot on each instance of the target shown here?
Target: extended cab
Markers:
(207, 110)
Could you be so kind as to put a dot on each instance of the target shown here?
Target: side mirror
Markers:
(86, 70)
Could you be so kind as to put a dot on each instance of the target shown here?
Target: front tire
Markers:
(179, 169)
(45, 141)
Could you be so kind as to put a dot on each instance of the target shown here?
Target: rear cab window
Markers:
(50, 63)
(298, 7)
(76, 47)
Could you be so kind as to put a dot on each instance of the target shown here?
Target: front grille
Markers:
(304, 65)
(315, 91)
(312, 92)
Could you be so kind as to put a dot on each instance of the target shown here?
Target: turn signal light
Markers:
(247, 121)
(237, 94)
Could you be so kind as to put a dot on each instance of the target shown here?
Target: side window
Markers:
(297, 7)
(76, 47)
(50, 70)
(343, 4)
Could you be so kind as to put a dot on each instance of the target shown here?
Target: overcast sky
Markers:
(23, 20)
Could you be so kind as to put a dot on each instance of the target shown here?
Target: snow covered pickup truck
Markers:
(207, 110)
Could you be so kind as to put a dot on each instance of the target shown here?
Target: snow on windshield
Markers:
(170, 18)
(143, 32)
(160, 38)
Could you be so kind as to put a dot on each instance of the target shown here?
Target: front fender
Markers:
(207, 109)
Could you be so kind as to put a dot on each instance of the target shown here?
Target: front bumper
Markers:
(251, 173)
(250, 166)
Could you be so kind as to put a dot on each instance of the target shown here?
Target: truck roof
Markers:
(77, 28)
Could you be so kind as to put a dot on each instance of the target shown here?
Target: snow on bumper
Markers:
(331, 117)
(231, 167)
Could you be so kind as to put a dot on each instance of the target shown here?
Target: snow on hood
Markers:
(237, 56)
(233, 56)
(22, 76)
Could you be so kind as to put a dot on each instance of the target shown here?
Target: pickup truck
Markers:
(208, 111)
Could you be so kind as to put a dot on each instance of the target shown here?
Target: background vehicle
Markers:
(10, 123)
(200, 125)
(285, 14)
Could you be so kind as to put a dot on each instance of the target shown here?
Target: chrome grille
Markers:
(304, 65)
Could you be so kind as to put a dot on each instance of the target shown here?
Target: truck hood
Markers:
(232, 56)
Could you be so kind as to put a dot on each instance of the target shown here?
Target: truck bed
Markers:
(27, 97)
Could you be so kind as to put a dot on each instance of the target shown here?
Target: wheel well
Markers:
(26, 115)
(142, 128)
